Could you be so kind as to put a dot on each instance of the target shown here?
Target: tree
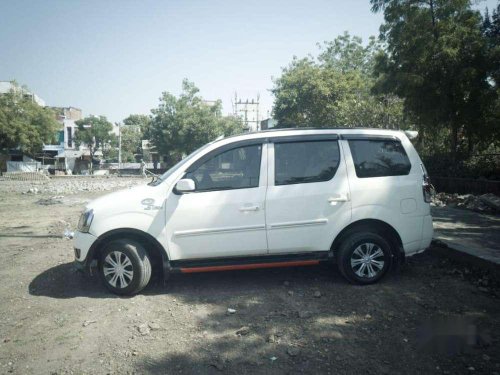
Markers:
(95, 132)
(182, 124)
(347, 53)
(141, 122)
(335, 89)
(437, 61)
(136, 128)
(24, 124)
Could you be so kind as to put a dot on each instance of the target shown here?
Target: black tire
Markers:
(140, 265)
(359, 242)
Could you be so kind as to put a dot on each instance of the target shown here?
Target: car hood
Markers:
(131, 199)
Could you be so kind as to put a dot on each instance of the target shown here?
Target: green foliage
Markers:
(182, 124)
(95, 133)
(131, 142)
(347, 53)
(141, 122)
(135, 129)
(335, 90)
(439, 61)
(25, 124)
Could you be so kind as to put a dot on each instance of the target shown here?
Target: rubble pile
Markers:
(487, 203)
(63, 186)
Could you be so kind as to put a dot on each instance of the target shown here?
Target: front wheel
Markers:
(125, 267)
(364, 257)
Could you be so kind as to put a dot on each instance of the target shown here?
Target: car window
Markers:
(237, 168)
(378, 158)
(304, 162)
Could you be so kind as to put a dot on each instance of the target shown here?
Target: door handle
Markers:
(249, 208)
(339, 198)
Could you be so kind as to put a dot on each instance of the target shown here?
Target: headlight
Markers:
(85, 221)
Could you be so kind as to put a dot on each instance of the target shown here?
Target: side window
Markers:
(378, 158)
(303, 162)
(238, 168)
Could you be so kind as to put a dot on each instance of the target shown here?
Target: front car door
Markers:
(224, 216)
(308, 200)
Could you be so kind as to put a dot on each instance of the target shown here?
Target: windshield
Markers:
(172, 170)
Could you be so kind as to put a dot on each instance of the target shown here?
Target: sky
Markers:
(115, 58)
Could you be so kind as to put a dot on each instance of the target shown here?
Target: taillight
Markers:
(427, 187)
(427, 190)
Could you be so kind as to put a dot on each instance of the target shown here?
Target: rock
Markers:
(218, 364)
(231, 311)
(368, 316)
(317, 294)
(135, 353)
(154, 326)
(88, 322)
(305, 314)
(6, 340)
(143, 329)
(271, 339)
(290, 292)
(491, 200)
(243, 331)
(486, 357)
(471, 368)
(273, 358)
(293, 351)
(483, 289)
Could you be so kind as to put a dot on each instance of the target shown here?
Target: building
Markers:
(66, 155)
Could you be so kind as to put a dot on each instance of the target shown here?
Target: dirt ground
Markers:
(432, 317)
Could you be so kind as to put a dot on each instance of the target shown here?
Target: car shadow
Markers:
(65, 281)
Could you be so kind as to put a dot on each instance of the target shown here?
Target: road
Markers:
(433, 316)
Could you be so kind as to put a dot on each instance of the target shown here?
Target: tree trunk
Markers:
(454, 142)
(91, 149)
(434, 30)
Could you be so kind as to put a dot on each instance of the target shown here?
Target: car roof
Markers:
(284, 132)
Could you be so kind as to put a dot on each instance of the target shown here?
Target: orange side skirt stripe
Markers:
(250, 266)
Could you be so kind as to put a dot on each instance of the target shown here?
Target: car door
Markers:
(307, 201)
(224, 216)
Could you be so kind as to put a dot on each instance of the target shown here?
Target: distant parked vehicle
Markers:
(355, 197)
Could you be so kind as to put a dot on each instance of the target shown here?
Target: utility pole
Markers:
(119, 144)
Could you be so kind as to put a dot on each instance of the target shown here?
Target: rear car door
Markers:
(307, 200)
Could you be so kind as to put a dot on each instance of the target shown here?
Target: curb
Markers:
(443, 249)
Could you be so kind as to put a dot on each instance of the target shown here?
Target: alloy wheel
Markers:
(118, 269)
(367, 260)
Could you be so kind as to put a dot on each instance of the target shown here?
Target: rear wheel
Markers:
(364, 257)
(125, 267)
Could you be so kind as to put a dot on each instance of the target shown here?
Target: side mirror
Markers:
(185, 185)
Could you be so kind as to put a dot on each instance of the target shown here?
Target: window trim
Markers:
(379, 139)
(369, 137)
(307, 139)
(304, 138)
(220, 150)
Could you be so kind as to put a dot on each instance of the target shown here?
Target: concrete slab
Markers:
(468, 232)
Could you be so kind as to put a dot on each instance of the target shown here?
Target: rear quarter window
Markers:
(379, 158)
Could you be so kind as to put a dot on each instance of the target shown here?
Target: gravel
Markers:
(68, 185)
(465, 201)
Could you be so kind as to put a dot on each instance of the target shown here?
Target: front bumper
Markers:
(82, 244)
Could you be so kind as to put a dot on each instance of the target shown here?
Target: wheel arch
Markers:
(157, 253)
(378, 226)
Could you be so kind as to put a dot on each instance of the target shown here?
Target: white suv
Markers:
(355, 197)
